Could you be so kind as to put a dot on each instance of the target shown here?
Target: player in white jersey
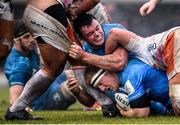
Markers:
(160, 50)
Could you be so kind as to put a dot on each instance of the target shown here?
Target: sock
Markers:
(36, 86)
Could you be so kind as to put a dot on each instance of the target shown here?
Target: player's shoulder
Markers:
(112, 25)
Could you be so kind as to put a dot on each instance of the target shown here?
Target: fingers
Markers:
(144, 10)
(75, 51)
(73, 84)
(147, 8)
(74, 43)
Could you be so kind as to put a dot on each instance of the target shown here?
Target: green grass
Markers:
(75, 115)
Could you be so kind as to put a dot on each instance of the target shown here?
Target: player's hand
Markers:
(147, 8)
(110, 110)
(176, 105)
(73, 11)
(126, 113)
(73, 84)
(75, 51)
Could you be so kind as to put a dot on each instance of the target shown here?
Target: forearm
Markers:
(112, 62)
(85, 5)
(84, 98)
(118, 37)
(136, 112)
(104, 62)
(155, 1)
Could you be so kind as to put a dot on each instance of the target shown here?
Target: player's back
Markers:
(152, 81)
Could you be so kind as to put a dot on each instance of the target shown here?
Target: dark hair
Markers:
(20, 28)
(90, 72)
(82, 20)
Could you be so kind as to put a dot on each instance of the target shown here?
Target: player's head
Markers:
(89, 29)
(23, 37)
(102, 79)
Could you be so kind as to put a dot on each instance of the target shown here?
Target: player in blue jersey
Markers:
(54, 36)
(94, 47)
(142, 83)
(95, 36)
(93, 52)
(89, 30)
(23, 62)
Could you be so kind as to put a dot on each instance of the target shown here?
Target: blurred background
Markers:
(126, 12)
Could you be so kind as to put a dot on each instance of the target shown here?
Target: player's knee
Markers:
(54, 70)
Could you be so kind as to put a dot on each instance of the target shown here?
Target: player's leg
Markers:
(54, 61)
(175, 93)
(6, 34)
(173, 71)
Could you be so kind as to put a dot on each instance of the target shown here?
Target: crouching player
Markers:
(142, 84)
(23, 62)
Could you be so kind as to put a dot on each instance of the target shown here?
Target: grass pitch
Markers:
(75, 115)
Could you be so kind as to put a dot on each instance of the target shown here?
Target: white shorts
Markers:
(6, 11)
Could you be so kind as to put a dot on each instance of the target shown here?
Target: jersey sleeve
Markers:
(18, 72)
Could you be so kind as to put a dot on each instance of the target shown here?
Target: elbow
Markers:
(96, 1)
(120, 65)
(113, 32)
(89, 103)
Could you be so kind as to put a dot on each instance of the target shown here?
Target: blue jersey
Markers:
(101, 51)
(139, 78)
(19, 69)
(157, 77)
(53, 98)
(146, 86)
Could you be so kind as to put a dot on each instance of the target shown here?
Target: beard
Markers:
(25, 48)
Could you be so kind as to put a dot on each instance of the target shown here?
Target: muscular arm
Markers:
(14, 92)
(81, 6)
(118, 36)
(86, 5)
(82, 96)
(140, 107)
(112, 62)
(136, 112)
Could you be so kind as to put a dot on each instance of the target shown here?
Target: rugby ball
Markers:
(122, 100)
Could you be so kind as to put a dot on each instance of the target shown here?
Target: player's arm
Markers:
(82, 96)
(17, 75)
(118, 36)
(112, 62)
(80, 6)
(148, 7)
(139, 108)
